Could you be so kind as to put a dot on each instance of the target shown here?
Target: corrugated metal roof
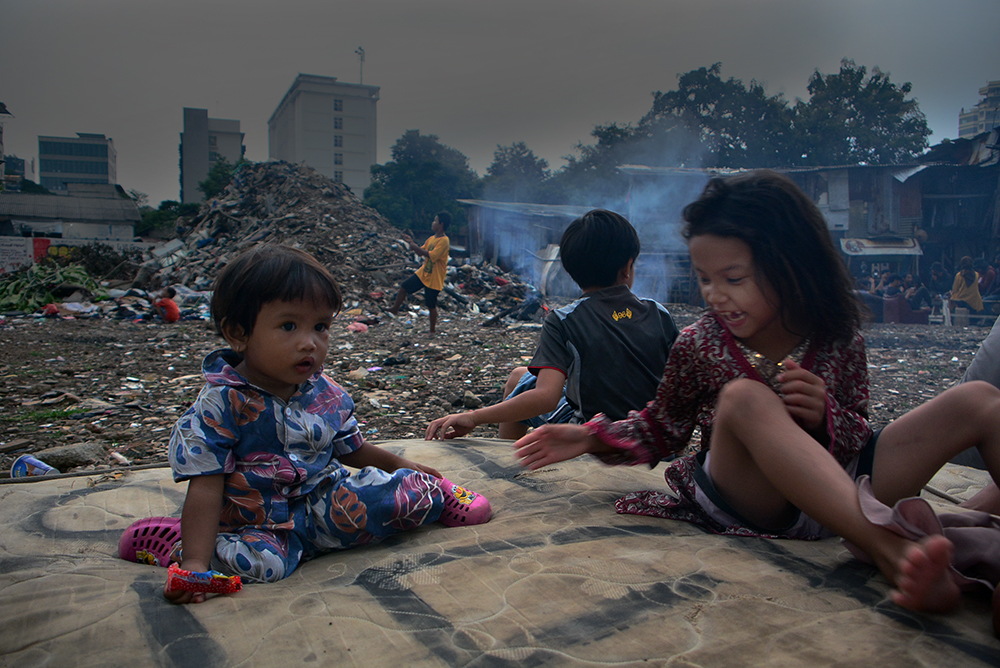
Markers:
(528, 209)
(79, 209)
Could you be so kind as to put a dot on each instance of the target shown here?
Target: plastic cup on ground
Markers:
(27, 466)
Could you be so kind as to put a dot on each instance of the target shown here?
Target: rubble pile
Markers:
(292, 204)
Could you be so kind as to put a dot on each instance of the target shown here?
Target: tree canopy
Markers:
(516, 174)
(218, 177)
(423, 178)
(738, 125)
(852, 119)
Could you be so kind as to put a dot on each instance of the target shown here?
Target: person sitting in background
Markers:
(965, 290)
(890, 285)
(987, 277)
(939, 284)
(166, 307)
(916, 292)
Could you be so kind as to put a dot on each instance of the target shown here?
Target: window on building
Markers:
(213, 140)
(338, 140)
(338, 105)
(338, 177)
(338, 158)
(212, 156)
(338, 123)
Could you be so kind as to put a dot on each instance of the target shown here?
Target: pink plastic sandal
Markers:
(462, 507)
(150, 541)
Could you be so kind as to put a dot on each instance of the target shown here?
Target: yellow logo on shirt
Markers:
(618, 315)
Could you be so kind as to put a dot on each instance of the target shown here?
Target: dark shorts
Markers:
(413, 283)
(802, 526)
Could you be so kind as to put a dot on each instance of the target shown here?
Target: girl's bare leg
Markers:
(987, 500)
(912, 448)
(763, 463)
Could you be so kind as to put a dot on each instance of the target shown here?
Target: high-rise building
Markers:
(328, 125)
(203, 141)
(87, 158)
(984, 116)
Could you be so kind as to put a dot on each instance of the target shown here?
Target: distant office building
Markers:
(984, 116)
(203, 141)
(328, 125)
(88, 158)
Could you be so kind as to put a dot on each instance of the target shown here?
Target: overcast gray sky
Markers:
(477, 74)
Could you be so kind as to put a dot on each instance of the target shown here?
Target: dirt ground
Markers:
(112, 388)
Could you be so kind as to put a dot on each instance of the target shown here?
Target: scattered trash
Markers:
(27, 466)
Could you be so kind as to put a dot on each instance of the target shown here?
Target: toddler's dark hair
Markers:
(170, 292)
(596, 246)
(791, 247)
(444, 218)
(267, 273)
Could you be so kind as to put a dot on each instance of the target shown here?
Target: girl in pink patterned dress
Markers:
(775, 377)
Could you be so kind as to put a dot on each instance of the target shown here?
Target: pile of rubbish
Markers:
(292, 204)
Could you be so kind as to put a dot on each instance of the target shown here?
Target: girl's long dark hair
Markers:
(791, 247)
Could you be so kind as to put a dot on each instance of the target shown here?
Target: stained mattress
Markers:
(556, 578)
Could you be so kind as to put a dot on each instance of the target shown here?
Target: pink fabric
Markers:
(974, 535)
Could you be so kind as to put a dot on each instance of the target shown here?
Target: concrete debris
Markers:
(278, 202)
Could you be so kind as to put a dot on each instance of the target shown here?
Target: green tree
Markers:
(29, 186)
(140, 198)
(164, 217)
(218, 177)
(423, 178)
(516, 174)
(738, 125)
(856, 118)
(592, 177)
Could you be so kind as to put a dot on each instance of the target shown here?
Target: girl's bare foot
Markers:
(924, 581)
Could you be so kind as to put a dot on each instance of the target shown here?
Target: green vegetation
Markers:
(423, 178)
(218, 177)
(852, 117)
(31, 288)
(164, 217)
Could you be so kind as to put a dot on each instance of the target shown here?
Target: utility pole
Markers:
(361, 64)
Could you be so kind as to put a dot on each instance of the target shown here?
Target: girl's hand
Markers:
(804, 394)
(554, 443)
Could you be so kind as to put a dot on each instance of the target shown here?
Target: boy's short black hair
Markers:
(170, 292)
(268, 273)
(596, 246)
(444, 218)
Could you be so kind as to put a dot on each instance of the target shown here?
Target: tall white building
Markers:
(86, 158)
(328, 125)
(203, 141)
(984, 116)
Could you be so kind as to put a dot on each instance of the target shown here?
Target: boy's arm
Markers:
(372, 455)
(542, 399)
(199, 528)
(419, 250)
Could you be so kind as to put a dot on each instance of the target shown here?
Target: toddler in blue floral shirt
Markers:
(265, 445)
